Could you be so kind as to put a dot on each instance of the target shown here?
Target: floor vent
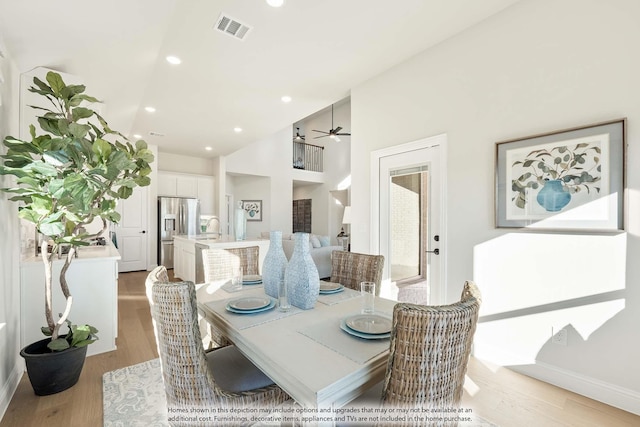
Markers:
(232, 27)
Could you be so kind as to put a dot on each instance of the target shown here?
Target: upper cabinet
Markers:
(202, 187)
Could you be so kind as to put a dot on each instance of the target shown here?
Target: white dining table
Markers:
(305, 352)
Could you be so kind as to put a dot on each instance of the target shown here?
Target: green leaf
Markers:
(145, 155)
(79, 113)
(70, 91)
(56, 158)
(58, 344)
(55, 81)
(79, 131)
(52, 228)
(102, 148)
(42, 86)
(49, 125)
(46, 331)
(43, 169)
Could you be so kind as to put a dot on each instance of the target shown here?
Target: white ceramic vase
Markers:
(301, 275)
(274, 264)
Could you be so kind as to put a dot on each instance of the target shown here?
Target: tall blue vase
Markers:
(301, 275)
(274, 264)
(553, 196)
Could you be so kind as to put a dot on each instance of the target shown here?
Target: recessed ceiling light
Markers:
(286, 98)
(237, 130)
(136, 136)
(174, 60)
(208, 148)
(275, 3)
(150, 109)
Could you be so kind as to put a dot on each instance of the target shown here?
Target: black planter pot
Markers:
(52, 372)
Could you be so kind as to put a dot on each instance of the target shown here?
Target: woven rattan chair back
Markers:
(220, 263)
(188, 381)
(429, 352)
(350, 268)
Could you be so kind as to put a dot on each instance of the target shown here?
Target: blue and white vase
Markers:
(301, 275)
(274, 264)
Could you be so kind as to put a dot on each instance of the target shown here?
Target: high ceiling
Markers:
(311, 50)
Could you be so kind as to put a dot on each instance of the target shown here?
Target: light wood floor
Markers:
(496, 394)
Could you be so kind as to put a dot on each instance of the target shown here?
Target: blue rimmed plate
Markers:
(330, 288)
(251, 279)
(269, 306)
(366, 336)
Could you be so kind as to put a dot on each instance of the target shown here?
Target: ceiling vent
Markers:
(152, 133)
(232, 27)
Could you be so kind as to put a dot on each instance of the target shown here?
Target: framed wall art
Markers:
(253, 208)
(569, 179)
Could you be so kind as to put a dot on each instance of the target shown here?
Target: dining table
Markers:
(308, 353)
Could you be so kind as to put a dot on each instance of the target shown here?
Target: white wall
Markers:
(11, 365)
(536, 67)
(270, 157)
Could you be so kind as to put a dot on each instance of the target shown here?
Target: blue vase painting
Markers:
(274, 264)
(301, 275)
(553, 196)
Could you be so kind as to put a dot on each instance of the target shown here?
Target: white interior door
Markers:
(132, 233)
(423, 158)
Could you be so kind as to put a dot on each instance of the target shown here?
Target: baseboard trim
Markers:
(602, 391)
(10, 387)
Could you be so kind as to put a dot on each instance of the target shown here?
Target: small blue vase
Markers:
(553, 196)
(274, 264)
(301, 275)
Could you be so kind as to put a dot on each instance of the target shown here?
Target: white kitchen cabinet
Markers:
(184, 259)
(173, 184)
(206, 189)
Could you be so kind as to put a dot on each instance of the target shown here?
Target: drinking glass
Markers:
(283, 297)
(236, 279)
(368, 292)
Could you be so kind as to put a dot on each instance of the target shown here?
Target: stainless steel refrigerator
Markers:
(176, 215)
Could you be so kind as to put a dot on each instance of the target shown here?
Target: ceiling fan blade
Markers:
(321, 136)
(343, 134)
(321, 131)
(336, 130)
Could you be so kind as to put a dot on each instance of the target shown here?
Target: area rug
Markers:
(134, 396)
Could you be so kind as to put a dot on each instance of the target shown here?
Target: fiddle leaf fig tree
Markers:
(68, 176)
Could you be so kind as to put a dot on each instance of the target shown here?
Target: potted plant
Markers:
(68, 176)
(559, 172)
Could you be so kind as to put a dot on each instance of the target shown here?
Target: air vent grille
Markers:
(232, 27)
(152, 133)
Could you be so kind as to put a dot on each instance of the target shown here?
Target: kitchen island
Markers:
(185, 252)
(93, 282)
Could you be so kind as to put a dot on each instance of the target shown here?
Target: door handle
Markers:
(436, 251)
(143, 231)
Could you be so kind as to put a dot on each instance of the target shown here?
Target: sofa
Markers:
(320, 249)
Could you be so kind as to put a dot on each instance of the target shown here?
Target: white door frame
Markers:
(438, 294)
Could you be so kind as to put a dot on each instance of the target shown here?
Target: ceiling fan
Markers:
(333, 132)
(298, 137)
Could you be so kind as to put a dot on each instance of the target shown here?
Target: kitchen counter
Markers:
(185, 253)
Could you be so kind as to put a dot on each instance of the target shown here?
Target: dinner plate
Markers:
(350, 331)
(251, 279)
(332, 292)
(330, 286)
(370, 324)
(271, 305)
(249, 303)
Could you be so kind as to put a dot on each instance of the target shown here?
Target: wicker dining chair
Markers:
(429, 352)
(219, 264)
(222, 378)
(351, 268)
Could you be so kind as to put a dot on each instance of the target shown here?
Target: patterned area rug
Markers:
(134, 396)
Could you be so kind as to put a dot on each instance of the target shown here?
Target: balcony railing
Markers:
(308, 157)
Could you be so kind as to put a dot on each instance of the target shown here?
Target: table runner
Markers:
(329, 334)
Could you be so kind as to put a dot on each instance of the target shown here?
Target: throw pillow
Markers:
(324, 241)
(315, 242)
